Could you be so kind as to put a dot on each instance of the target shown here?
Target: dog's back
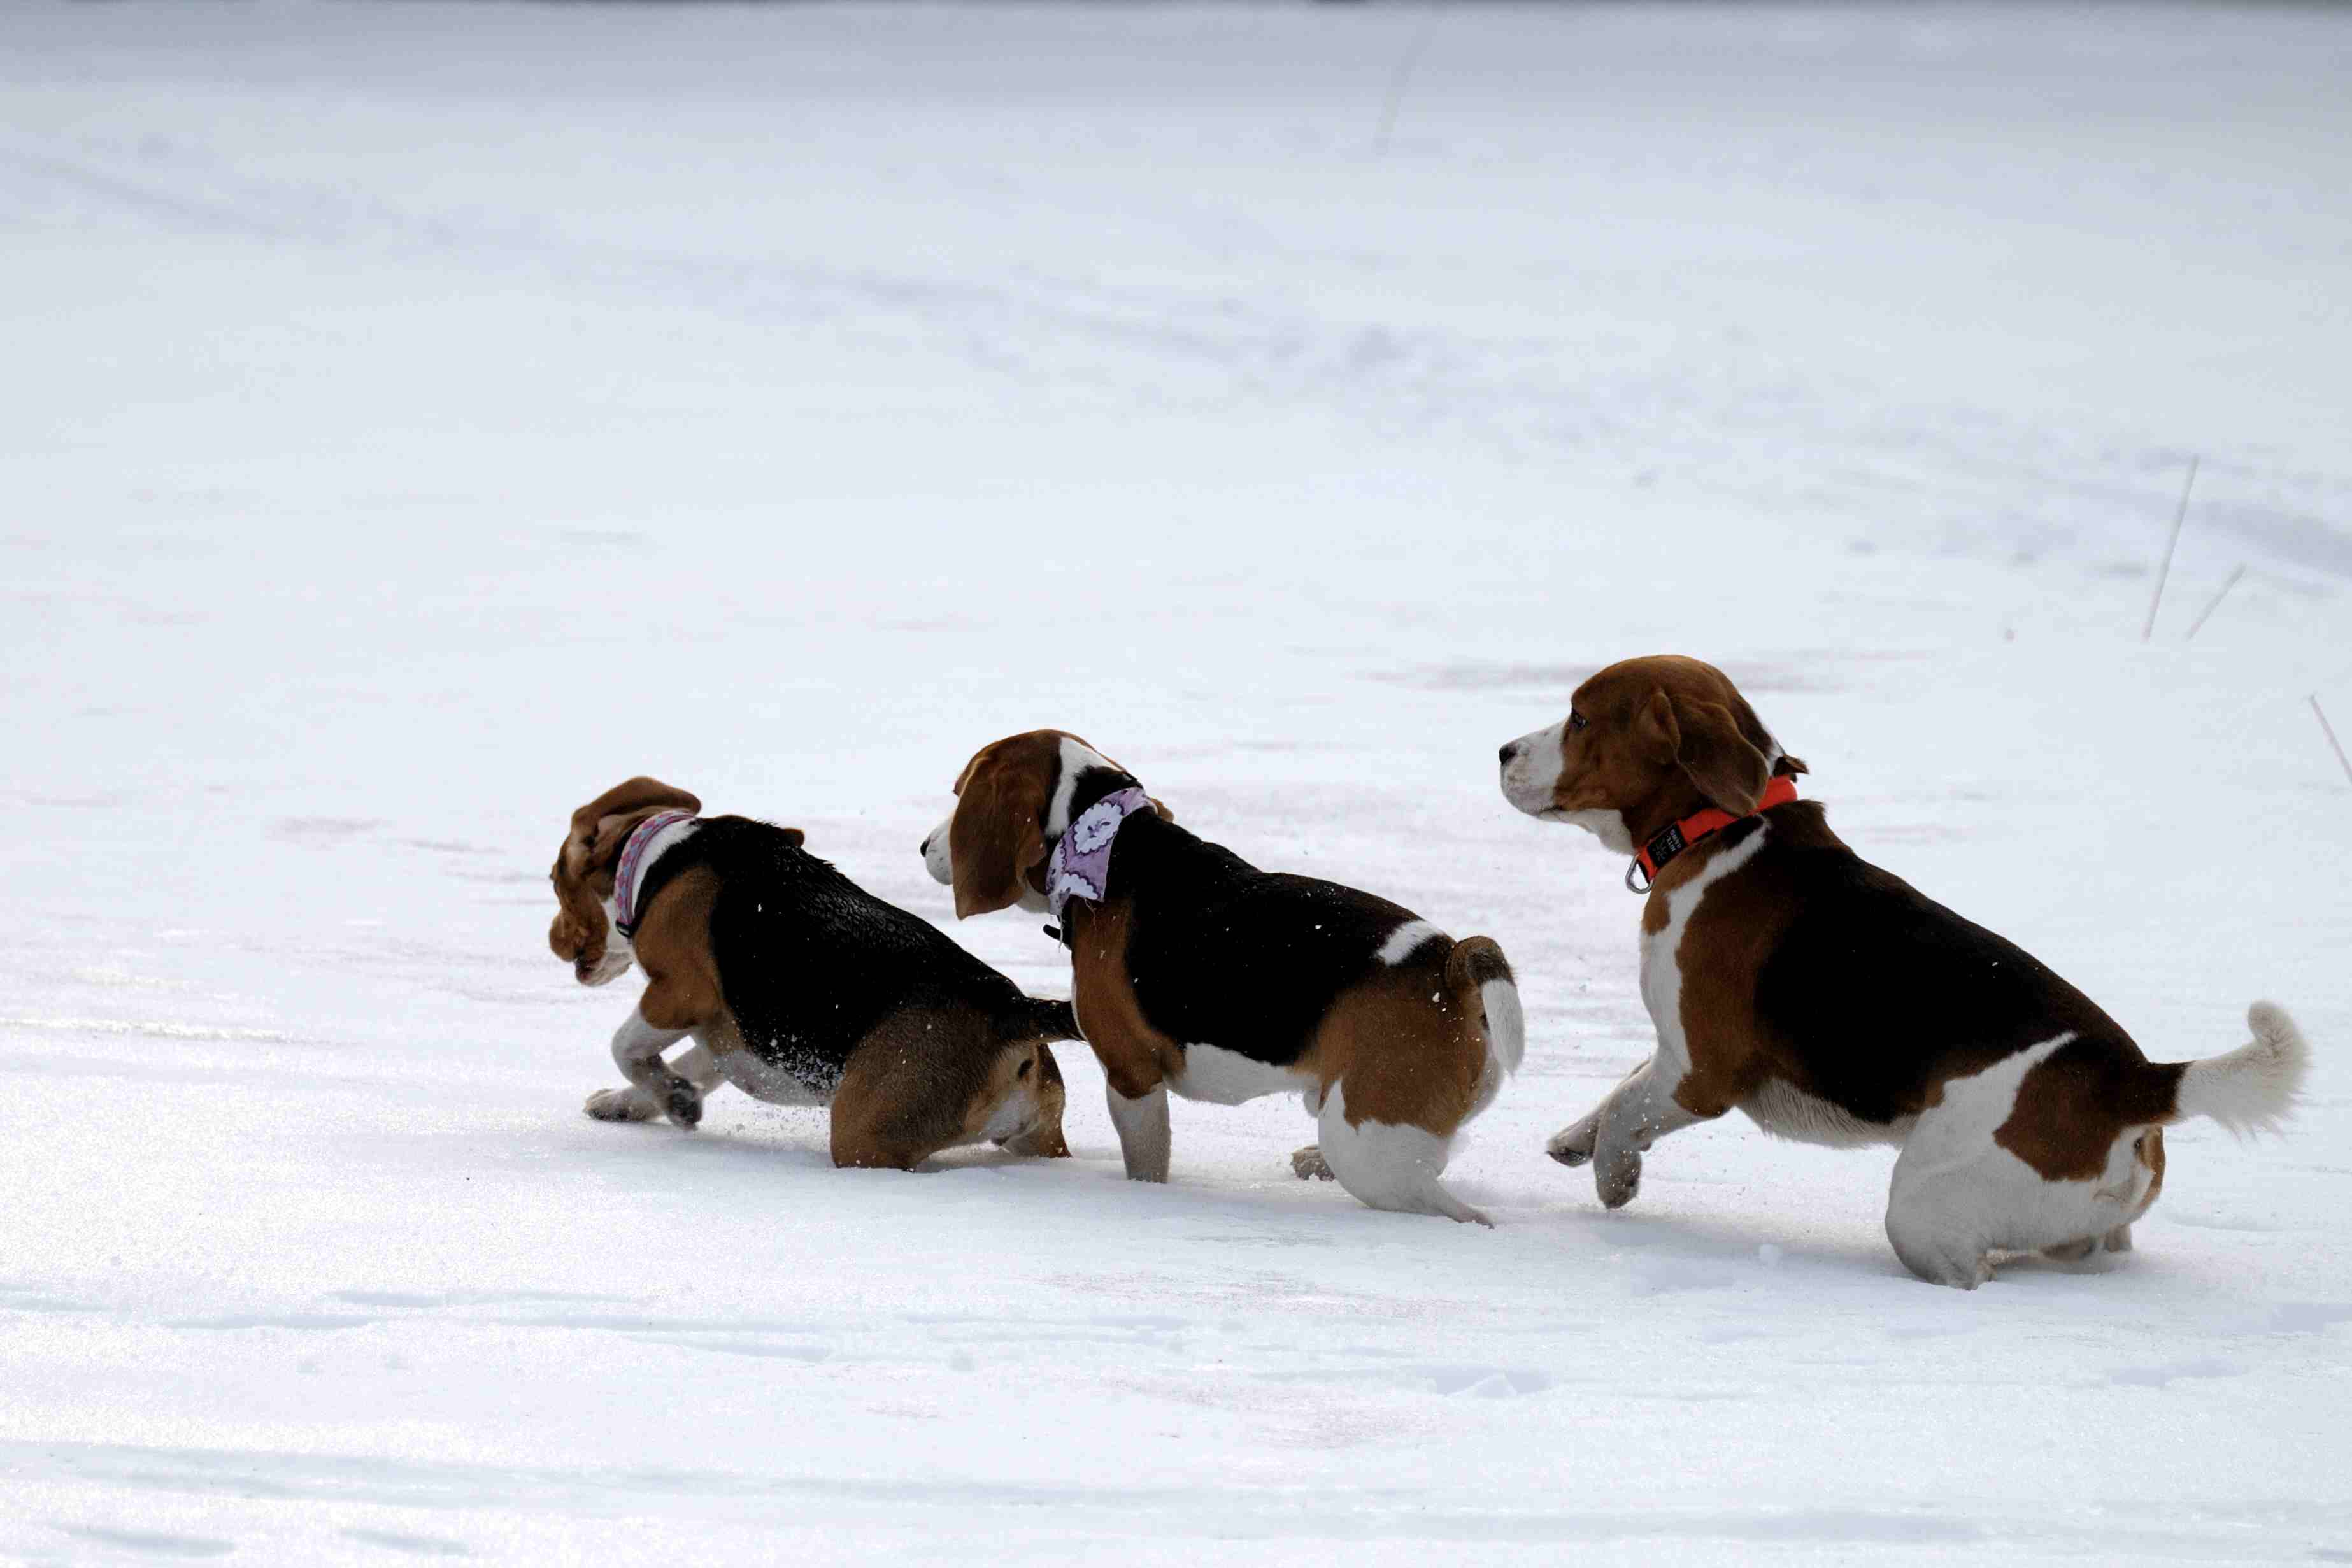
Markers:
(811, 963)
(1279, 947)
(1874, 996)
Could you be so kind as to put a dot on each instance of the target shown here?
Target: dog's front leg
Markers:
(1573, 1144)
(653, 1089)
(1142, 1124)
(699, 1068)
(1615, 1136)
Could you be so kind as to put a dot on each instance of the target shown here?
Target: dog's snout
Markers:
(924, 848)
(1509, 749)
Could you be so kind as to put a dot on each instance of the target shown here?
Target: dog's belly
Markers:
(1786, 1111)
(1221, 1077)
(765, 1080)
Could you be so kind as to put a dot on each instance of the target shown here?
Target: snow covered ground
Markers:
(419, 417)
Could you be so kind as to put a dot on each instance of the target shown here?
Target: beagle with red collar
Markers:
(1194, 971)
(798, 986)
(1834, 1004)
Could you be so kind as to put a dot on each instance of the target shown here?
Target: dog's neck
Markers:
(1676, 799)
(1651, 855)
(1079, 866)
(651, 839)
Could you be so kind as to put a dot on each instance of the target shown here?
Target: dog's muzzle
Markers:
(938, 857)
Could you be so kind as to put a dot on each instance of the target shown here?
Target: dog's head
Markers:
(1646, 742)
(1013, 800)
(583, 934)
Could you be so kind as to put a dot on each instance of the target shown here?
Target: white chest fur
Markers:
(1662, 957)
(1777, 1108)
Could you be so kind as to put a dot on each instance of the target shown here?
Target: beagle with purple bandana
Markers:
(1192, 971)
(797, 986)
(1789, 978)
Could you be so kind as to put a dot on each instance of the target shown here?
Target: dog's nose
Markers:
(924, 849)
(1510, 749)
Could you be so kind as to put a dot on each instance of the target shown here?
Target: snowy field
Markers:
(420, 416)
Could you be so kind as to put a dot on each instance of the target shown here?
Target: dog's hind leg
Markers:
(1954, 1197)
(1387, 1165)
(1040, 1101)
(1937, 1238)
(1960, 1194)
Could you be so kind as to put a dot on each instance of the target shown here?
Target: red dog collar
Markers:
(1680, 836)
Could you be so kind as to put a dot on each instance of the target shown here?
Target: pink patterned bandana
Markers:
(1080, 866)
(632, 855)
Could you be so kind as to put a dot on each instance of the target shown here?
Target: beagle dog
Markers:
(1834, 1003)
(799, 988)
(1194, 971)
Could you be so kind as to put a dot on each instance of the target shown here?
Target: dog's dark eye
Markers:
(1575, 721)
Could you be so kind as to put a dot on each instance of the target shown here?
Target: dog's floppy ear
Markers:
(637, 793)
(997, 835)
(1752, 729)
(586, 849)
(1711, 748)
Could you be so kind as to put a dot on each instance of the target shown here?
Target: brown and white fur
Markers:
(799, 988)
(1835, 1004)
(1198, 973)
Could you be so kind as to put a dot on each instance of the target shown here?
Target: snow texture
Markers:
(420, 417)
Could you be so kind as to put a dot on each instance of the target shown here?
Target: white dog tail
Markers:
(1477, 966)
(2253, 1088)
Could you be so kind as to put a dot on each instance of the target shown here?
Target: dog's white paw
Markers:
(1616, 1177)
(1572, 1145)
(630, 1104)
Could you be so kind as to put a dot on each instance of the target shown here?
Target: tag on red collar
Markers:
(1680, 836)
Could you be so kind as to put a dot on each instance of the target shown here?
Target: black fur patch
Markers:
(1877, 993)
(810, 962)
(1224, 955)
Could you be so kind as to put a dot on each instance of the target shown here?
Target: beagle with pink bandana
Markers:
(796, 985)
(1194, 972)
(1791, 979)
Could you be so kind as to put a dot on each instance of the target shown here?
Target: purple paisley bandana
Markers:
(1080, 866)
